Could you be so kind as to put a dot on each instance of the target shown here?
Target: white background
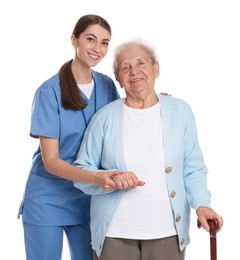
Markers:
(198, 47)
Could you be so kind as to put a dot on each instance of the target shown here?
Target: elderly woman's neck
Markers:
(141, 103)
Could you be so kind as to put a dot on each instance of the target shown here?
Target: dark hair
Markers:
(70, 94)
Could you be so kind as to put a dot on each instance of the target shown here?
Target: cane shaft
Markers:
(213, 246)
(213, 239)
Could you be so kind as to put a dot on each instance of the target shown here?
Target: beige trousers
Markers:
(130, 249)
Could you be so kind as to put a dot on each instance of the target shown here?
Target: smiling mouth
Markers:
(135, 80)
(93, 56)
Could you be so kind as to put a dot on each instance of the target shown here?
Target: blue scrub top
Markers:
(48, 199)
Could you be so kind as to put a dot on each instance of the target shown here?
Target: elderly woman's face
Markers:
(136, 72)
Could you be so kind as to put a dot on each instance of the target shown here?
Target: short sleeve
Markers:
(45, 113)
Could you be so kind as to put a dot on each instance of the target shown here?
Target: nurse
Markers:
(61, 110)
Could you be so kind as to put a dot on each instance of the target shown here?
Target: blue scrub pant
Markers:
(46, 242)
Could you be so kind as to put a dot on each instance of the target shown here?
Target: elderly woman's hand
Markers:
(126, 180)
(204, 214)
(116, 180)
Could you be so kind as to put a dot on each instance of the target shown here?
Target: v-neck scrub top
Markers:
(48, 199)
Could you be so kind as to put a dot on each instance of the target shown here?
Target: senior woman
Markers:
(153, 140)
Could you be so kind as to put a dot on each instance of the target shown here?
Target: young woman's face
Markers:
(92, 45)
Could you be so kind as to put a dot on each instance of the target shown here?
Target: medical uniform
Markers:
(50, 201)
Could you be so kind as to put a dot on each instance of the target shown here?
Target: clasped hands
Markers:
(117, 180)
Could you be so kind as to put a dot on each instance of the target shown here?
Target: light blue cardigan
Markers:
(102, 149)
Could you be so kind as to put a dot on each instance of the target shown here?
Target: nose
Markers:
(97, 47)
(133, 71)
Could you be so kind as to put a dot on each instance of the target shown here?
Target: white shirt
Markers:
(144, 212)
(87, 88)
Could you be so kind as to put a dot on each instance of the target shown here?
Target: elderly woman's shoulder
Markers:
(173, 101)
(170, 98)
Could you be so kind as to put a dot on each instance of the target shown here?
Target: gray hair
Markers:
(130, 44)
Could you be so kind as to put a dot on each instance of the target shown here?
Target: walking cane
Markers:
(213, 237)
